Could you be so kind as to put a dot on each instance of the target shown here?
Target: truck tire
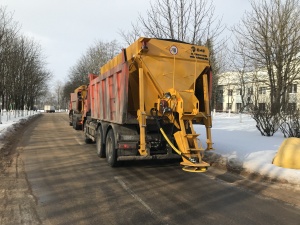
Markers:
(87, 140)
(111, 151)
(99, 143)
(75, 125)
(70, 120)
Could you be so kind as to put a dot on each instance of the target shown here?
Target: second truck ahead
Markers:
(76, 108)
(146, 100)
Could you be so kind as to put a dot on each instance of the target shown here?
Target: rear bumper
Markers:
(151, 157)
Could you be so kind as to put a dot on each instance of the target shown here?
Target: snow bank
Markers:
(11, 120)
(239, 144)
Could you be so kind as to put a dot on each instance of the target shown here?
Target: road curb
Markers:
(233, 165)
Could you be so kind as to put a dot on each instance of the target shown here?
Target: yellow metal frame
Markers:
(161, 70)
(142, 114)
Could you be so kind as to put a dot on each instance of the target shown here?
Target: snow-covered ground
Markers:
(235, 138)
(10, 119)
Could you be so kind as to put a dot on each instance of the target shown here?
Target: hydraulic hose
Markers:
(167, 139)
(169, 142)
(172, 146)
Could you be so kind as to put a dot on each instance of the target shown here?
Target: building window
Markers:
(230, 91)
(293, 88)
(220, 92)
(219, 107)
(250, 91)
(238, 106)
(292, 107)
(229, 106)
(262, 90)
(262, 106)
(239, 91)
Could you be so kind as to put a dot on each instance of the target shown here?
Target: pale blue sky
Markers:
(66, 28)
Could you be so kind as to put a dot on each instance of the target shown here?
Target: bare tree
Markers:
(58, 91)
(266, 121)
(95, 57)
(185, 20)
(25, 73)
(22, 68)
(8, 31)
(188, 21)
(219, 64)
(248, 76)
(99, 54)
(290, 126)
(130, 36)
(270, 36)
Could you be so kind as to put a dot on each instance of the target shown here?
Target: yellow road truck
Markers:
(76, 108)
(146, 101)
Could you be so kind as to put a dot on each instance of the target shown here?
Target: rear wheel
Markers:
(76, 125)
(99, 143)
(71, 118)
(86, 139)
(111, 151)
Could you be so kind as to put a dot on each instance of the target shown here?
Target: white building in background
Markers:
(237, 90)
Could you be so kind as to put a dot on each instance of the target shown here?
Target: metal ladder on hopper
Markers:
(191, 148)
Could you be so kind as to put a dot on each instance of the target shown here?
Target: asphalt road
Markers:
(71, 185)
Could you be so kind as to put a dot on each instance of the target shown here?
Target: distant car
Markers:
(49, 109)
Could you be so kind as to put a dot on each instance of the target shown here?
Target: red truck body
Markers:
(108, 94)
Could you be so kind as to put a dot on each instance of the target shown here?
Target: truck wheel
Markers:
(86, 139)
(99, 143)
(76, 126)
(111, 151)
(71, 120)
